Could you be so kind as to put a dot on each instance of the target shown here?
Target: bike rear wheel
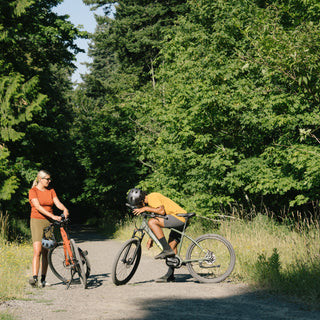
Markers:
(79, 265)
(126, 262)
(214, 258)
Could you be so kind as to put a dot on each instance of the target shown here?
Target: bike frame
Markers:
(66, 247)
(144, 228)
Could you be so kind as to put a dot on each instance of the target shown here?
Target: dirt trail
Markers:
(142, 298)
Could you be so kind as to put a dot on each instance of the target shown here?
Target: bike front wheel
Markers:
(211, 258)
(60, 263)
(126, 262)
(79, 265)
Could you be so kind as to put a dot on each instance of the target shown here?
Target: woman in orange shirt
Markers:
(42, 198)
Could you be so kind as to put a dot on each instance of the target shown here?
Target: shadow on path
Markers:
(81, 233)
(248, 306)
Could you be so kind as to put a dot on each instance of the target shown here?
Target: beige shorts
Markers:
(37, 226)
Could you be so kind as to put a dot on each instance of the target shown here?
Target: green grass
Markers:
(270, 256)
(6, 316)
(15, 261)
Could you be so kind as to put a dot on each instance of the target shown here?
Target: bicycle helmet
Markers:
(48, 243)
(136, 196)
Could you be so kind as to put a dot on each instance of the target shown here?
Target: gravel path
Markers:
(142, 298)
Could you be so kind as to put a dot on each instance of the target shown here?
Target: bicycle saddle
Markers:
(186, 215)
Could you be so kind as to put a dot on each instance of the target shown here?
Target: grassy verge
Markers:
(269, 256)
(15, 260)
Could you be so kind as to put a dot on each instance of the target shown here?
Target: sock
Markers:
(165, 244)
(43, 278)
(35, 278)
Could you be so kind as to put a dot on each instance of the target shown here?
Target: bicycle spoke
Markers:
(126, 262)
(59, 263)
(213, 258)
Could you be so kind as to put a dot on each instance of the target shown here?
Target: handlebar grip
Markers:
(131, 206)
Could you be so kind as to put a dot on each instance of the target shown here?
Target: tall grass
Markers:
(15, 260)
(270, 256)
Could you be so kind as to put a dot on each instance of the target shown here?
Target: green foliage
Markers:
(17, 105)
(18, 102)
(36, 61)
(267, 270)
(218, 101)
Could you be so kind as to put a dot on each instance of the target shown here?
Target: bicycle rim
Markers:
(58, 264)
(215, 258)
(126, 262)
(80, 266)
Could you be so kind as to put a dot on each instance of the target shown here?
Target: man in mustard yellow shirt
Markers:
(157, 203)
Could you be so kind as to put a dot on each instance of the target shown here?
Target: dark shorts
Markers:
(173, 222)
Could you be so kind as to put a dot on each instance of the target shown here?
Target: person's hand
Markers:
(137, 211)
(56, 218)
(149, 243)
(66, 213)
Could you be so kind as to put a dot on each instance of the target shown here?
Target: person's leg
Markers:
(44, 267)
(169, 276)
(44, 261)
(156, 225)
(174, 239)
(37, 226)
(35, 262)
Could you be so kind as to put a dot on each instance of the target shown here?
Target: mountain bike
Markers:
(66, 258)
(210, 258)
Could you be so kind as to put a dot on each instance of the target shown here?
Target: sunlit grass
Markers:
(6, 316)
(15, 260)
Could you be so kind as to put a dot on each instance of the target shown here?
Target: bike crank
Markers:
(174, 262)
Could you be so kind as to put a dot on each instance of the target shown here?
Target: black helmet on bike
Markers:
(136, 197)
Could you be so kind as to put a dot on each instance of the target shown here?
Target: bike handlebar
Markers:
(146, 213)
(64, 220)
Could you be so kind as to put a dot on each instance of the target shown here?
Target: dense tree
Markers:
(236, 90)
(36, 60)
(123, 49)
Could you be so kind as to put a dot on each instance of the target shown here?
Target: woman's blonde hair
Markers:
(41, 174)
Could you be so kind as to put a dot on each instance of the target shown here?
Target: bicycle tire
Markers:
(79, 267)
(57, 263)
(217, 258)
(126, 262)
(85, 262)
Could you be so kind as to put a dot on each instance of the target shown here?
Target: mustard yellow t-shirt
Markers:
(156, 200)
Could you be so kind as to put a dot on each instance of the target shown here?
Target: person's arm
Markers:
(159, 210)
(61, 206)
(42, 210)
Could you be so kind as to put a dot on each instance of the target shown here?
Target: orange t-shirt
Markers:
(156, 200)
(45, 199)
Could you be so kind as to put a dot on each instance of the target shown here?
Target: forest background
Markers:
(214, 103)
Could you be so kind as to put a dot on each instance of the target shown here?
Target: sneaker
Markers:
(166, 278)
(165, 253)
(33, 282)
(45, 284)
